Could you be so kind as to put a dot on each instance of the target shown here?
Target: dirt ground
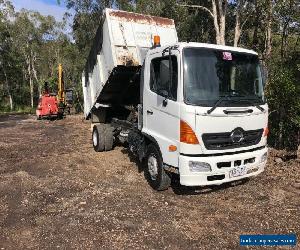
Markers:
(57, 193)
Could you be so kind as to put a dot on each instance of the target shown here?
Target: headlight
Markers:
(196, 166)
(264, 157)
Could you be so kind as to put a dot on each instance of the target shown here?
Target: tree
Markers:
(31, 46)
(30, 31)
(243, 10)
(86, 20)
(6, 53)
(217, 11)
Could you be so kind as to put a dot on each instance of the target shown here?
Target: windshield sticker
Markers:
(227, 56)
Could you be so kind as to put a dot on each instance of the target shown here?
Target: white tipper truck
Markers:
(192, 109)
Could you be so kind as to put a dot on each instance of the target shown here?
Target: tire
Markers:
(108, 138)
(98, 138)
(155, 173)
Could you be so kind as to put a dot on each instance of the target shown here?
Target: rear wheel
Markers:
(103, 137)
(98, 138)
(108, 138)
(156, 175)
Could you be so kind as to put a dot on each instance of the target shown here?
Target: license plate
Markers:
(237, 171)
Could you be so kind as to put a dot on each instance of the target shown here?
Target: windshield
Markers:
(210, 74)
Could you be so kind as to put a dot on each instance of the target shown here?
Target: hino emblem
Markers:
(237, 135)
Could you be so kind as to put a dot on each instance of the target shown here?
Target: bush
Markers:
(283, 93)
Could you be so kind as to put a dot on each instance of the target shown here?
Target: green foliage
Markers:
(87, 18)
(283, 94)
(32, 46)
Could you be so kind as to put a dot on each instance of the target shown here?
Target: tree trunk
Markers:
(237, 28)
(256, 25)
(268, 35)
(222, 20)
(216, 24)
(30, 82)
(222, 31)
(218, 13)
(31, 90)
(35, 74)
(8, 91)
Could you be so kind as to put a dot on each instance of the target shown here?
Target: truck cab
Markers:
(205, 109)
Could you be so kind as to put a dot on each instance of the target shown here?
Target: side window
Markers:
(160, 76)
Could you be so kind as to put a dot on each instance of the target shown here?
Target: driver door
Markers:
(161, 108)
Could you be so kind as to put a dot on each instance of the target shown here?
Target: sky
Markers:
(45, 7)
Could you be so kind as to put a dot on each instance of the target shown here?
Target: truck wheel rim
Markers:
(152, 167)
(95, 139)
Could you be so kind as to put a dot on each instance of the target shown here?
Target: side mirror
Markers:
(165, 94)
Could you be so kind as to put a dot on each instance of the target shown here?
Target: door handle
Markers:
(149, 112)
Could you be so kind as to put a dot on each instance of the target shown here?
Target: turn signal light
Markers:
(156, 41)
(266, 131)
(172, 148)
(187, 135)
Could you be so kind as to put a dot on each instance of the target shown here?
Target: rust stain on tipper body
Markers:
(139, 18)
(127, 60)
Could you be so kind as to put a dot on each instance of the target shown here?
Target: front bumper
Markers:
(219, 175)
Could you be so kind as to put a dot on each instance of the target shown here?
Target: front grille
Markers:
(217, 141)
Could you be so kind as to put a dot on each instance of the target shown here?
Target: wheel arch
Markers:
(150, 139)
(169, 157)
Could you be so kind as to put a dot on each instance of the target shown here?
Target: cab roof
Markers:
(207, 45)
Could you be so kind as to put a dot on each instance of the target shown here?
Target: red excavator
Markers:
(52, 106)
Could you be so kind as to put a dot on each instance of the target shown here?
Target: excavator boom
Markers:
(61, 87)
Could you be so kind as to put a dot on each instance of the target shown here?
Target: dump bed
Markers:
(111, 74)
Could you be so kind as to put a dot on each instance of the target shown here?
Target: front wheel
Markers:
(156, 175)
